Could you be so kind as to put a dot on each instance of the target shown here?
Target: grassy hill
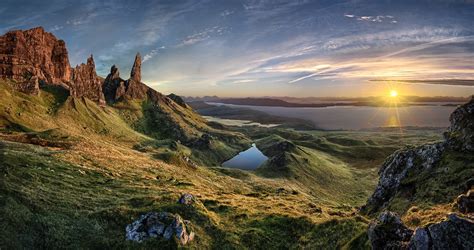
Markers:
(73, 174)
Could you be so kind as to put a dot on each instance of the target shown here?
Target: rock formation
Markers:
(388, 232)
(460, 134)
(178, 100)
(35, 56)
(186, 199)
(34, 52)
(162, 224)
(136, 73)
(459, 137)
(86, 83)
(115, 88)
(465, 202)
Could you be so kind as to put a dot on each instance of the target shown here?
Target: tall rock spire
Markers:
(136, 73)
(86, 83)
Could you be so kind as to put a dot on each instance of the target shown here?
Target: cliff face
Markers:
(35, 56)
(34, 53)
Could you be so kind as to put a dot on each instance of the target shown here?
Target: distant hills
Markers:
(318, 102)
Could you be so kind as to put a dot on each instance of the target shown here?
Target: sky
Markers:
(236, 48)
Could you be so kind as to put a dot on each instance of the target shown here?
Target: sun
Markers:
(393, 93)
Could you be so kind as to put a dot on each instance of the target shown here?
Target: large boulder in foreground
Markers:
(162, 224)
(388, 232)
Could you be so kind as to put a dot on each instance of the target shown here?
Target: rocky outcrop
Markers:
(35, 56)
(396, 168)
(423, 159)
(115, 88)
(186, 199)
(460, 134)
(136, 73)
(34, 52)
(178, 100)
(86, 83)
(162, 224)
(388, 232)
(465, 202)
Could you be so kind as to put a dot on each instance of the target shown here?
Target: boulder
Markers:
(388, 232)
(186, 199)
(160, 224)
(454, 233)
(465, 202)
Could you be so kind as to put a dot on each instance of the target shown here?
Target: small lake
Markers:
(360, 117)
(249, 159)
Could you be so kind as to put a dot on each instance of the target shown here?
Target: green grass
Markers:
(83, 172)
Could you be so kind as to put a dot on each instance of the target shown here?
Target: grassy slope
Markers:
(91, 173)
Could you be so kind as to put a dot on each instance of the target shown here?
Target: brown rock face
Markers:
(35, 56)
(115, 88)
(136, 73)
(86, 83)
(34, 52)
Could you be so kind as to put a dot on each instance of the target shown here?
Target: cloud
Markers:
(226, 13)
(448, 82)
(375, 19)
(56, 28)
(244, 81)
(152, 53)
(202, 36)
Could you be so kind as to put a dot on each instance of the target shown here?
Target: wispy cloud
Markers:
(244, 81)
(447, 82)
(203, 35)
(152, 53)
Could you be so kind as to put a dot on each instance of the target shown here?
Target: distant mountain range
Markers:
(329, 101)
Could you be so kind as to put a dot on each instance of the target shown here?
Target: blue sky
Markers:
(266, 47)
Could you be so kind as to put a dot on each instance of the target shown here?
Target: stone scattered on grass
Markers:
(186, 199)
(160, 224)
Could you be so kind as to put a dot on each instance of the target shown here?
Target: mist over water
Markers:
(354, 118)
